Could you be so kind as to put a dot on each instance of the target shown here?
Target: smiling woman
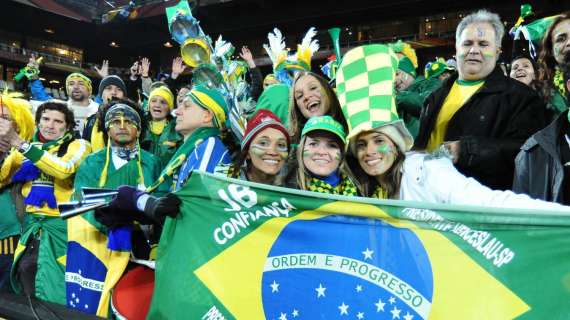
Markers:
(311, 96)
(264, 149)
(321, 158)
(523, 69)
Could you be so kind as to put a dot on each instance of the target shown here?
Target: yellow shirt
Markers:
(460, 92)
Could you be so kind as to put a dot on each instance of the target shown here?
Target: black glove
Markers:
(113, 218)
(122, 210)
(126, 199)
(159, 208)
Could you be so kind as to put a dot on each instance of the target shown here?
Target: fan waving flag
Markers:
(241, 250)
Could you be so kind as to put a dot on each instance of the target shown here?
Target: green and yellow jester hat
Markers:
(78, 76)
(407, 59)
(20, 114)
(365, 88)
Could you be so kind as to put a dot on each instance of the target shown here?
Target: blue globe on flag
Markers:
(347, 267)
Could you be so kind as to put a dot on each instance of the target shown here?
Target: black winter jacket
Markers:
(538, 167)
(491, 126)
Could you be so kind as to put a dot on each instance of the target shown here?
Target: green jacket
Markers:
(411, 101)
(9, 223)
(164, 145)
(90, 170)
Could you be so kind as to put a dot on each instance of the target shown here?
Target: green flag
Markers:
(241, 250)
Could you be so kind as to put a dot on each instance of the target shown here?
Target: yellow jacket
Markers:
(59, 169)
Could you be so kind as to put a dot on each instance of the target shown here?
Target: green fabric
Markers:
(226, 246)
(413, 98)
(275, 98)
(88, 176)
(164, 181)
(470, 83)
(90, 170)
(557, 103)
(163, 145)
(50, 277)
(9, 223)
(367, 102)
(406, 65)
(326, 123)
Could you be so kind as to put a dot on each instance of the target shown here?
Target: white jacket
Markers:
(437, 181)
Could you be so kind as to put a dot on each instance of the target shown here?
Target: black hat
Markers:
(112, 80)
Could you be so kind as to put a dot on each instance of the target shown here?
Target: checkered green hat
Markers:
(365, 88)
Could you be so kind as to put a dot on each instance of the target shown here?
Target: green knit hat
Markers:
(211, 99)
(276, 99)
(436, 68)
(326, 123)
(406, 65)
(365, 88)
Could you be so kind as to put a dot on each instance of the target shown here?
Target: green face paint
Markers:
(557, 51)
(283, 155)
(488, 54)
(384, 149)
(337, 156)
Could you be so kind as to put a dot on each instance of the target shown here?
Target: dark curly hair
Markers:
(546, 62)
(103, 111)
(60, 107)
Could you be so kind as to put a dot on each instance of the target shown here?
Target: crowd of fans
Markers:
(464, 132)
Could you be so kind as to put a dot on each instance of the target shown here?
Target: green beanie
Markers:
(406, 65)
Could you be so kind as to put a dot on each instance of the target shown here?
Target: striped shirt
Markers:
(205, 157)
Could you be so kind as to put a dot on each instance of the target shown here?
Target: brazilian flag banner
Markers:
(241, 250)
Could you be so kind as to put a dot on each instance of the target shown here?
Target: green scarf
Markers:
(558, 82)
(380, 193)
(48, 145)
(344, 188)
(181, 154)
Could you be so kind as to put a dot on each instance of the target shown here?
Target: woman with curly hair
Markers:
(555, 45)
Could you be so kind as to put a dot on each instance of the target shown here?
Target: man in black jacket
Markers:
(542, 167)
(480, 116)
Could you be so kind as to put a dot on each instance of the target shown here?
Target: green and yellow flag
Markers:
(241, 250)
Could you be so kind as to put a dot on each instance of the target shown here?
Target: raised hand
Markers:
(8, 135)
(104, 70)
(247, 56)
(178, 67)
(145, 67)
